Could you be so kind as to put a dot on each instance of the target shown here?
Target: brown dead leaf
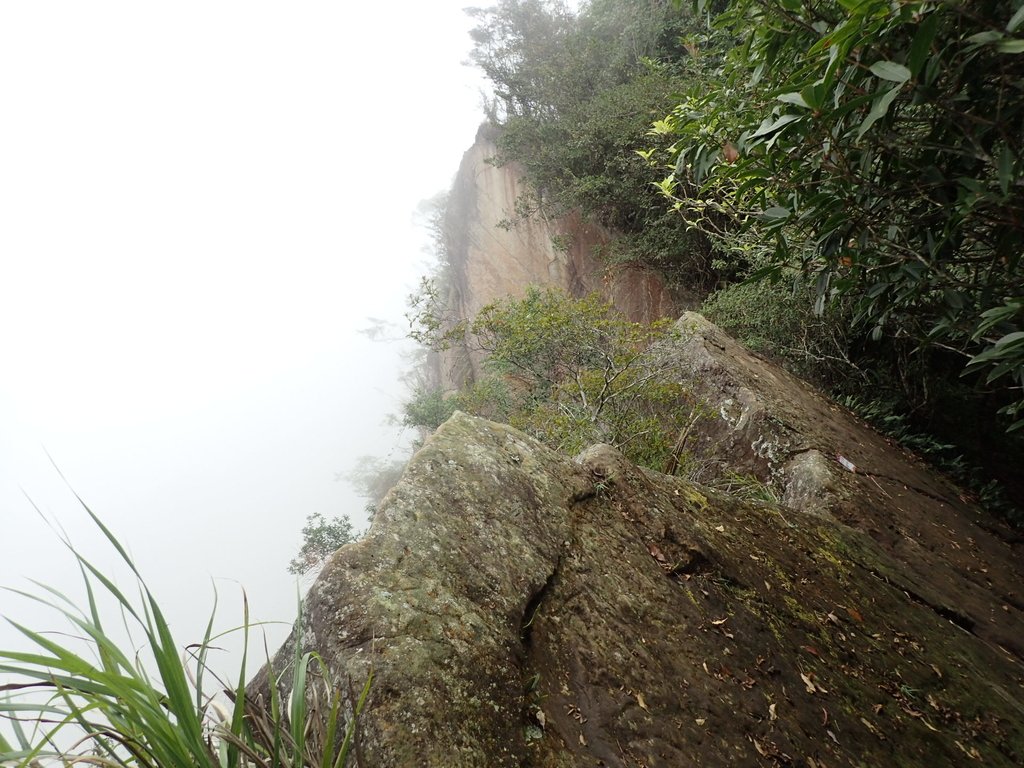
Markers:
(719, 622)
(771, 712)
(811, 688)
(855, 615)
(824, 717)
(701, 720)
(810, 684)
(810, 649)
(656, 553)
(730, 153)
(870, 726)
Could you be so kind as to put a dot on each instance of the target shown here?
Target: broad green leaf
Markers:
(878, 110)
(1015, 20)
(793, 98)
(814, 95)
(776, 212)
(1005, 169)
(922, 43)
(890, 70)
(771, 126)
(986, 37)
(1010, 339)
(1010, 46)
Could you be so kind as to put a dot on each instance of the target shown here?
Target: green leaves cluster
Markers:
(320, 538)
(874, 147)
(573, 372)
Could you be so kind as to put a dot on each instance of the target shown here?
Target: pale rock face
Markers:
(491, 262)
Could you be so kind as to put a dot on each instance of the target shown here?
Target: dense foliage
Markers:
(573, 372)
(874, 148)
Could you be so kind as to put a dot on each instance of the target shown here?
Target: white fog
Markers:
(201, 204)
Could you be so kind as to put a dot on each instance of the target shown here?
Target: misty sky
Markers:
(201, 203)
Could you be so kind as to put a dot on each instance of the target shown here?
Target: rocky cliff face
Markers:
(520, 608)
(489, 261)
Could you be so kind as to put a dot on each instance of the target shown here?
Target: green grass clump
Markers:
(111, 711)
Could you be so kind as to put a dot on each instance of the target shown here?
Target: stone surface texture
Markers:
(520, 608)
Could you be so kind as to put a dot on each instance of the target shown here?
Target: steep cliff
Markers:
(490, 259)
(519, 608)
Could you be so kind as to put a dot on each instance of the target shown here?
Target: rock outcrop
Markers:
(770, 424)
(520, 608)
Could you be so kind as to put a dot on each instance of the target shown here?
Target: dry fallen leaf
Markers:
(641, 702)
(855, 615)
(720, 528)
(869, 726)
(656, 553)
(719, 622)
(771, 712)
(701, 720)
(811, 687)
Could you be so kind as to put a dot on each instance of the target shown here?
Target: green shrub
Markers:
(778, 320)
(427, 408)
(573, 372)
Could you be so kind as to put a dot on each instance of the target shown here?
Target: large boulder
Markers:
(519, 608)
(949, 553)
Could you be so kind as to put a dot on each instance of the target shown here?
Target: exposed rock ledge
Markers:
(523, 609)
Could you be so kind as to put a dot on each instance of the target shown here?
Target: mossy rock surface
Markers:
(519, 608)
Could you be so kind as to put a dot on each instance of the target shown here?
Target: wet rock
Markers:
(519, 608)
(825, 461)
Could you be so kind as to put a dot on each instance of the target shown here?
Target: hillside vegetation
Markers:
(842, 180)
